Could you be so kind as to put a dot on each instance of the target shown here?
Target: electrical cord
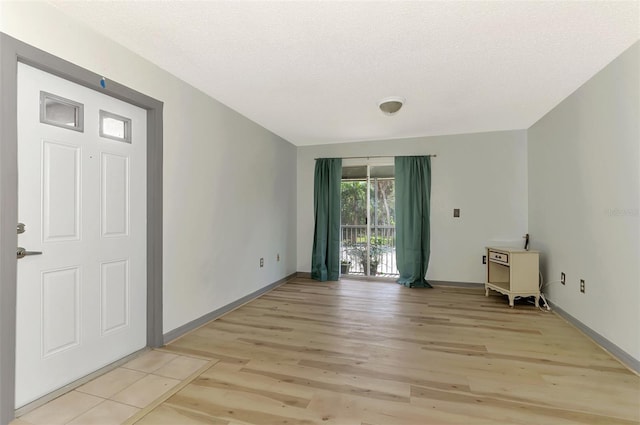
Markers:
(541, 287)
(546, 304)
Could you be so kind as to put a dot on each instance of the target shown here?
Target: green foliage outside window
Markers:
(354, 202)
(354, 220)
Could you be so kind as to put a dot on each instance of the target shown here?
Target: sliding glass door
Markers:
(368, 220)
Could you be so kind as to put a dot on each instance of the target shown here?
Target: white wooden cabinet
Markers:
(512, 272)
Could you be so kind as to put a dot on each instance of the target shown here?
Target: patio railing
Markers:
(353, 245)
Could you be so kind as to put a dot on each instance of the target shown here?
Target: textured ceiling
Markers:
(314, 71)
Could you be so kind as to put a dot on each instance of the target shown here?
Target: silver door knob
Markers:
(23, 252)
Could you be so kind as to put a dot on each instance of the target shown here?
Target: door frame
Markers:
(368, 162)
(13, 51)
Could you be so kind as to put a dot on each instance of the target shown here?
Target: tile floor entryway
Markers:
(118, 395)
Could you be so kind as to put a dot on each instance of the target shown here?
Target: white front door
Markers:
(81, 304)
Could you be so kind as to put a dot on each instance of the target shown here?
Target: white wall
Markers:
(483, 174)
(229, 185)
(584, 197)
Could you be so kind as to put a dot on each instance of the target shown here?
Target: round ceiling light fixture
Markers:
(391, 105)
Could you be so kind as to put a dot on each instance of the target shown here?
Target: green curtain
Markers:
(325, 259)
(413, 193)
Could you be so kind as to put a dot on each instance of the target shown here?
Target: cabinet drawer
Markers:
(499, 257)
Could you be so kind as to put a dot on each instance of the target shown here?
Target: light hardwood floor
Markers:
(377, 353)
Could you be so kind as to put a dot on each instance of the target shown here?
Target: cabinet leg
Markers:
(537, 301)
(486, 291)
(511, 301)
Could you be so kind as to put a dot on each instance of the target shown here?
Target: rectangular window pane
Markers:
(354, 173)
(382, 171)
(115, 127)
(61, 112)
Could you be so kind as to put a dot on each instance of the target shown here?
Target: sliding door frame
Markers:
(368, 162)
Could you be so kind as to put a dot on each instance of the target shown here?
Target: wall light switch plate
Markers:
(582, 285)
(261, 262)
(456, 212)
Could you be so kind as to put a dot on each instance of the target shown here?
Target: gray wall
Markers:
(483, 174)
(584, 190)
(229, 184)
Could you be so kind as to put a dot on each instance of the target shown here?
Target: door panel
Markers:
(60, 310)
(61, 192)
(82, 303)
(114, 295)
(114, 201)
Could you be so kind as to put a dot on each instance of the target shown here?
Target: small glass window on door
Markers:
(115, 127)
(61, 112)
